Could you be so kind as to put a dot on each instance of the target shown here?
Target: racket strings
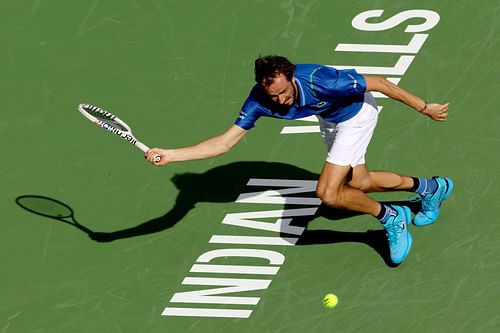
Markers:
(45, 206)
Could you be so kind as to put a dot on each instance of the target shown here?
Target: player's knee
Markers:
(330, 197)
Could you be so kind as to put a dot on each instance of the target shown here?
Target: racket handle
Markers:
(145, 148)
(142, 146)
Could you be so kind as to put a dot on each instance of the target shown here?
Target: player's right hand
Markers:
(164, 154)
(437, 112)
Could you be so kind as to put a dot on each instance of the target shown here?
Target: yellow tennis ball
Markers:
(330, 301)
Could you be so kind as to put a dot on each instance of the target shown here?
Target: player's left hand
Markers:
(437, 112)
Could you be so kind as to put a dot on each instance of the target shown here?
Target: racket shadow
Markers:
(51, 208)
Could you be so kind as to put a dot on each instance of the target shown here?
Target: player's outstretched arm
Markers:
(209, 148)
(435, 111)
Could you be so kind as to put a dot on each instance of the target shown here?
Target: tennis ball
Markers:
(330, 301)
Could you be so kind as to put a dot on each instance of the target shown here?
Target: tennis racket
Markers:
(112, 124)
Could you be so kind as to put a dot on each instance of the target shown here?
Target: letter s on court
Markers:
(431, 20)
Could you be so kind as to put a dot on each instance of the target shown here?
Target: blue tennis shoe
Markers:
(399, 237)
(431, 202)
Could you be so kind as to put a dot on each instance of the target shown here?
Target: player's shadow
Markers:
(218, 185)
(225, 183)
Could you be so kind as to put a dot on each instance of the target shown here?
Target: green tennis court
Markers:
(198, 246)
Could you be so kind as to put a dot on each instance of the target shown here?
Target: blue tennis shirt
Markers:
(334, 95)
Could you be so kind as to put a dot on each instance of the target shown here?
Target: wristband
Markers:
(425, 107)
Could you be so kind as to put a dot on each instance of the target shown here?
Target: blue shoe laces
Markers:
(393, 230)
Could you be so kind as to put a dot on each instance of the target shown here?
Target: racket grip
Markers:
(145, 149)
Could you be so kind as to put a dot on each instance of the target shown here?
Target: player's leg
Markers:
(333, 190)
(433, 191)
(384, 181)
(379, 181)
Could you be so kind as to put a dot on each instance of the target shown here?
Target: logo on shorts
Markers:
(321, 104)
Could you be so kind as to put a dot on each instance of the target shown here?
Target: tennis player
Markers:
(347, 115)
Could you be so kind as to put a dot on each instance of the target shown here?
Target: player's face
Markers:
(281, 91)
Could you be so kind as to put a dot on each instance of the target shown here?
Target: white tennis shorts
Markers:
(347, 141)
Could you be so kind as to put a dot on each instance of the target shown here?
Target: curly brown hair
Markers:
(268, 67)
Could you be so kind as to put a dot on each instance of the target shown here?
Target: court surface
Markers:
(204, 246)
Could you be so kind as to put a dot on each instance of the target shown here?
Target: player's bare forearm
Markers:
(203, 150)
(208, 148)
(435, 111)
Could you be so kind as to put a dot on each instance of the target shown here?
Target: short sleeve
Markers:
(250, 111)
(247, 117)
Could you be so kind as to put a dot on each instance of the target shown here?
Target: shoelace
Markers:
(393, 229)
(429, 205)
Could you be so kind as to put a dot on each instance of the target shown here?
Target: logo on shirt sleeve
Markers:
(243, 114)
(355, 83)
